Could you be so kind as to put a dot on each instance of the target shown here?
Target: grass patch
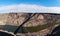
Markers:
(30, 29)
(41, 27)
(37, 28)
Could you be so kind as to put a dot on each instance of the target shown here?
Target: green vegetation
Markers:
(37, 28)
(30, 29)
(41, 27)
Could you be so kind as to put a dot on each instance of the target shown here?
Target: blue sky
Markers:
(38, 2)
(47, 6)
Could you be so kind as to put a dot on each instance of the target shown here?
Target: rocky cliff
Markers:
(39, 19)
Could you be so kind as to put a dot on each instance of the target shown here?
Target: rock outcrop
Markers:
(39, 19)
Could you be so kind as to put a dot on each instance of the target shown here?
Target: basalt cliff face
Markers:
(17, 19)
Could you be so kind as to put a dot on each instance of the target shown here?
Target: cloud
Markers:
(29, 8)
